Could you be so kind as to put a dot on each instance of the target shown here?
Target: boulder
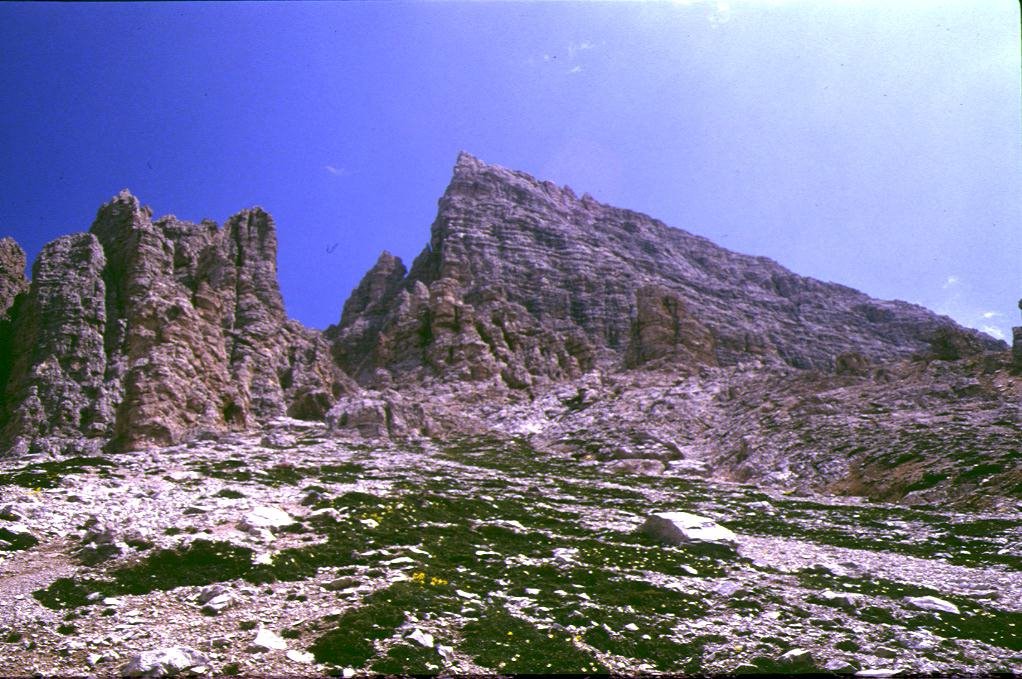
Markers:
(844, 599)
(797, 660)
(932, 603)
(267, 640)
(166, 662)
(375, 415)
(421, 638)
(637, 466)
(264, 517)
(683, 528)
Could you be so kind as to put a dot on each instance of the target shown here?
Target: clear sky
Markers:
(876, 144)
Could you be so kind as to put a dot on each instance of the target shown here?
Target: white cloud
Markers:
(991, 314)
(720, 14)
(336, 171)
(576, 47)
(951, 282)
(571, 57)
(993, 331)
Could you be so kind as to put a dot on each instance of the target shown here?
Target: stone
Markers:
(378, 415)
(838, 666)
(446, 652)
(301, 657)
(683, 528)
(267, 640)
(637, 466)
(932, 603)
(166, 662)
(263, 517)
(217, 604)
(844, 599)
(338, 584)
(796, 659)
(211, 592)
(421, 638)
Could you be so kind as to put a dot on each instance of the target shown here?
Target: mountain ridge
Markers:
(527, 316)
(504, 236)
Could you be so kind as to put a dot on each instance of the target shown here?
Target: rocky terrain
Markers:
(567, 439)
(298, 552)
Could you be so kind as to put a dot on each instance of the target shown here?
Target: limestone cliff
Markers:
(525, 282)
(144, 332)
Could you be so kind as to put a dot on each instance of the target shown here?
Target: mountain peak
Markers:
(576, 272)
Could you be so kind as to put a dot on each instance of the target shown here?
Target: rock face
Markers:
(56, 378)
(524, 282)
(12, 284)
(12, 273)
(144, 332)
(1016, 348)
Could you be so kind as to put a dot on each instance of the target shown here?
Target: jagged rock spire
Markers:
(145, 332)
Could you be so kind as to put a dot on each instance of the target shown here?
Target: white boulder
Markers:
(166, 662)
(301, 657)
(682, 528)
(421, 638)
(264, 517)
(846, 599)
(932, 603)
(266, 640)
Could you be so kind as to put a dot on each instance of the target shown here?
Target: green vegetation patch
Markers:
(200, 563)
(226, 470)
(504, 643)
(48, 474)
(993, 626)
(13, 542)
(406, 658)
(352, 641)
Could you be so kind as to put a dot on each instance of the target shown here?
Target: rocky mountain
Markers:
(524, 282)
(579, 327)
(528, 314)
(569, 439)
(145, 332)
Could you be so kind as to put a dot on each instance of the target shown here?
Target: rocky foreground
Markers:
(297, 552)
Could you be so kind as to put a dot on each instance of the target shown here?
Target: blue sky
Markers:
(875, 144)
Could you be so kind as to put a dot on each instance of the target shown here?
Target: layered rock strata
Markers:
(145, 332)
(524, 282)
